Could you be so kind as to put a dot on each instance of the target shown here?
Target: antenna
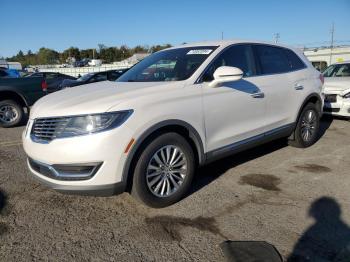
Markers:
(276, 37)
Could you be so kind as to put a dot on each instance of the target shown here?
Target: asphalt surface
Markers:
(295, 199)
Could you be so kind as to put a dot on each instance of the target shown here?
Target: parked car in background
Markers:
(82, 63)
(176, 109)
(95, 62)
(16, 96)
(53, 80)
(337, 89)
(5, 72)
(110, 75)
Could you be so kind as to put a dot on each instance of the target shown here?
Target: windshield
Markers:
(340, 70)
(85, 77)
(168, 65)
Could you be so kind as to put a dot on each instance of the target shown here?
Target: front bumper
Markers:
(339, 108)
(90, 190)
(105, 149)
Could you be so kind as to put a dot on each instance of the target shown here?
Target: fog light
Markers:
(65, 172)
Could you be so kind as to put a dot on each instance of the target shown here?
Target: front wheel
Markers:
(164, 171)
(307, 128)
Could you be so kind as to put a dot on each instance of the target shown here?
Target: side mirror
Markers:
(226, 74)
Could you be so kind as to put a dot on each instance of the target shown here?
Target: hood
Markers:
(96, 97)
(336, 84)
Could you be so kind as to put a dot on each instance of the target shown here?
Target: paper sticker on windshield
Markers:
(199, 52)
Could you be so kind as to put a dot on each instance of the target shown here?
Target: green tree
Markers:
(47, 56)
(157, 48)
(140, 49)
(87, 53)
(70, 52)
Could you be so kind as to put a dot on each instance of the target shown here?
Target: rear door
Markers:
(275, 79)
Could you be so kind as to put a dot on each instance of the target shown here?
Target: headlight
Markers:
(346, 95)
(87, 124)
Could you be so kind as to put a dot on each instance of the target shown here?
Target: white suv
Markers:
(177, 109)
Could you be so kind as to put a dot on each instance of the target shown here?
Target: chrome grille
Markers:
(47, 129)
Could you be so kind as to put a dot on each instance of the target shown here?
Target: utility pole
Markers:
(332, 43)
(276, 37)
(93, 53)
(222, 35)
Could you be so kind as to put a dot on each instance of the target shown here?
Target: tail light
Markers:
(44, 86)
(322, 79)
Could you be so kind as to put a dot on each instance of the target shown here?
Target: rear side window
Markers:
(295, 62)
(272, 60)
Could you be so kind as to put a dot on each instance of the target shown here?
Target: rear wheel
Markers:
(11, 113)
(306, 131)
(164, 171)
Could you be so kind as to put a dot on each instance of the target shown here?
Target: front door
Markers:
(234, 111)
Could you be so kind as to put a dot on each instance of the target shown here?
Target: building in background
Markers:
(322, 57)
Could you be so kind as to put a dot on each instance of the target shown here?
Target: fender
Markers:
(194, 135)
(306, 101)
(291, 137)
(14, 92)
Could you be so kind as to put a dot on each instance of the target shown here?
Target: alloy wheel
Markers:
(166, 171)
(308, 125)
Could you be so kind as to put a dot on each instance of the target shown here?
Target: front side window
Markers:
(239, 56)
(272, 59)
(168, 65)
(340, 70)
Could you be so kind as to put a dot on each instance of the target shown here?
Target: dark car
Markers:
(17, 94)
(53, 80)
(110, 75)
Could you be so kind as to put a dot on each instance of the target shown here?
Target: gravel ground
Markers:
(295, 199)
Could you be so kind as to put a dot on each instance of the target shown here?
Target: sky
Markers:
(60, 24)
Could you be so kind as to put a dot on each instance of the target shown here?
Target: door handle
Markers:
(258, 95)
(298, 87)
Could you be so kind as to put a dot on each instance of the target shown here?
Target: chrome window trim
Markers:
(200, 81)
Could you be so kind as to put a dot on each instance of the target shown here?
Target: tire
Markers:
(307, 128)
(11, 113)
(150, 171)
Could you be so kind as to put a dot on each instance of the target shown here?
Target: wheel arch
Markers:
(312, 98)
(178, 126)
(12, 95)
